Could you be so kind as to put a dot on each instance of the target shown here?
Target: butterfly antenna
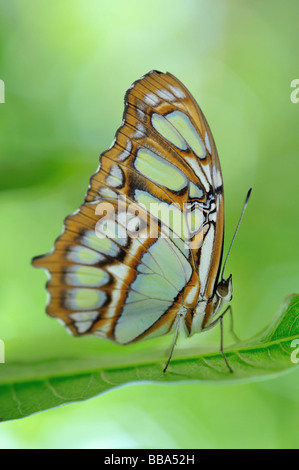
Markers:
(236, 231)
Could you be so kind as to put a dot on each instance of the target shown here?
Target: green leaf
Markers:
(59, 374)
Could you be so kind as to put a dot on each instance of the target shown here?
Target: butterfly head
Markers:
(223, 294)
(224, 290)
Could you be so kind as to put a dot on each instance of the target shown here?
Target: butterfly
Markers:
(141, 257)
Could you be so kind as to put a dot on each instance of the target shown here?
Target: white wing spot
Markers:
(217, 178)
(141, 115)
(140, 131)
(126, 153)
(84, 316)
(207, 142)
(199, 172)
(212, 217)
(151, 99)
(107, 193)
(205, 258)
(115, 177)
(177, 91)
(82, 327)
(165, 95)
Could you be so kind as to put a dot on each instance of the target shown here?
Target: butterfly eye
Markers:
(225, 288)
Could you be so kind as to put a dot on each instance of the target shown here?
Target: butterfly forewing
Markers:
(147, 242)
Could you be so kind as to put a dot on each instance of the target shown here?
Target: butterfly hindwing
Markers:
(107, 281)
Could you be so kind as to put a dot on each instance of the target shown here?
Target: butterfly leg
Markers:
(221, 344)
(214, 323)
(174, 341)
(231, 328)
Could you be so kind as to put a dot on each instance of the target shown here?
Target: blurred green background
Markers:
(66, 66)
